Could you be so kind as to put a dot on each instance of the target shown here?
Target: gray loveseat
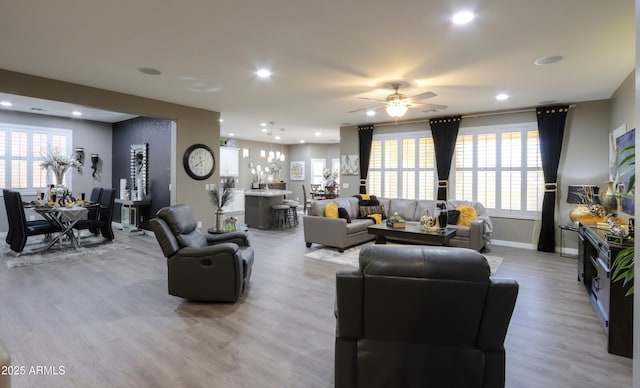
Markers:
(337, 233)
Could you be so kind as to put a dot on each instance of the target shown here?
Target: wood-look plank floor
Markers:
(109, 322)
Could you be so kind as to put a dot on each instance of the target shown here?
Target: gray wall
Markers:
(306, 152)
(93, 136)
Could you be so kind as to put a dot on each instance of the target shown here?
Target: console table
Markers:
(129, 215)
(614, 310)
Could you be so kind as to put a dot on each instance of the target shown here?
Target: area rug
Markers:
(89, 247)
(350, 256)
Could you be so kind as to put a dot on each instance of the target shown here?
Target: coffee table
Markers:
(411, 234)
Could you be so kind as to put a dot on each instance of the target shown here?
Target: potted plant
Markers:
(623, 267)
(219, 199)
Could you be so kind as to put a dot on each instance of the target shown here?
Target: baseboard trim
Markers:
(513, 244)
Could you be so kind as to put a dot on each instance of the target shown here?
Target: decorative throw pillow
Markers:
(467, 214)
(452, 217)
(343, 213)
(367, 200)
(331, 211)
(376, 217)
(366, 211)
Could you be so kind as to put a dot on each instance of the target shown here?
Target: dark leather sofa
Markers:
(210, 268)
(421, 316)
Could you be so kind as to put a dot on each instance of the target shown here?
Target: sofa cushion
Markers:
(343, 213)
(366, 211)
(467, 214)
(452, 217)
(461, 231)
(331, 211)
(406, 208)
(367, 200)
(359, 225)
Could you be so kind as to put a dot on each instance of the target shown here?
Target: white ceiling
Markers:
(324, 54)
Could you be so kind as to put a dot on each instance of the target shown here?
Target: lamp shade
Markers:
(583, 194)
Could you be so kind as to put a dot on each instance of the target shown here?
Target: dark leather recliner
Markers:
(421, 317)
(211, 268)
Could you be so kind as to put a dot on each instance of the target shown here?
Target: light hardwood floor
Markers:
(110, 323)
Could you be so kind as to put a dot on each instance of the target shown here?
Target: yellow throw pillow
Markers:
(365, 197)
(376, 217)
(331, 211)
(467, 214)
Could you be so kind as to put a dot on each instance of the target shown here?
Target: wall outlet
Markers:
(199, 224)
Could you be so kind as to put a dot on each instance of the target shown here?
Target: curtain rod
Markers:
(467, 116)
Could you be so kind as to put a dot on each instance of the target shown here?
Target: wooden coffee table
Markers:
(411, 234)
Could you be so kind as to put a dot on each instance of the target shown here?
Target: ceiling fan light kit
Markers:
(397, 104)
(397, 108)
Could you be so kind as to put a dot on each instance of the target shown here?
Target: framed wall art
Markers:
(296, 171)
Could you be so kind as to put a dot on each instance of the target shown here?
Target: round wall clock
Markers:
(199, 161)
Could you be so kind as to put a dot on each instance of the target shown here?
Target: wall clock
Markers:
(199, 161)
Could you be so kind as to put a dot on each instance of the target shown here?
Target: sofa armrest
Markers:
(476, 235)
(326, 231)
(238, 237)
(190, 252)
(348, 309)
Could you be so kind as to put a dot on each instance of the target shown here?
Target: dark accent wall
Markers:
(157, 133)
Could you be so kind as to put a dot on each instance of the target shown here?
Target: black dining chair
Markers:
(29, 223)
(91, 223)
(19, 228)
(102, 222)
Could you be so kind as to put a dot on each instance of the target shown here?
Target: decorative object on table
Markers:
(219, 199)
(427, 221)
(610, 198)
(95, 158)
(199, 161)
(588, 207)
(396, 222)
(440, 214)
(58, 164)
(296, 171)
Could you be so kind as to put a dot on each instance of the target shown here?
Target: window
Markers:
(498, 166)
(402, 166)
(22, 149)
(317, 168)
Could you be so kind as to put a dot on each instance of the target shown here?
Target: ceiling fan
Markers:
(396, 104)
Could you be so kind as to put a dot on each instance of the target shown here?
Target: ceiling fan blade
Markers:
(423, 96)
(433, 107)
(371, 108)
(372, 99)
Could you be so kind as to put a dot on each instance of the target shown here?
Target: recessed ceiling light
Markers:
(231, 134)
(502, 96)
(371, 113)
(548, 60)
(277, 137)
(76, 113)
(220, 120)
(301, 141)
(263, 124)
(264, 129)
(462, 17)
(318, 134)
(149, 71)
(5, 103)
(263, 73)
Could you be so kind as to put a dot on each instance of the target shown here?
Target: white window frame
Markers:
(32, 156)
(316, 174)
(399, 170)
(523, 169)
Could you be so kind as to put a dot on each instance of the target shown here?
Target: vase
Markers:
(610, 199)
(219, 220)
(441, 215)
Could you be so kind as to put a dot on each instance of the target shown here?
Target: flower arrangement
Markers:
(220, 199)
(58, 163)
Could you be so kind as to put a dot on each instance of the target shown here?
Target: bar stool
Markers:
(280, 216)
(293, 211)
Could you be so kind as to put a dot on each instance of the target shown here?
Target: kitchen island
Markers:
(258, 203)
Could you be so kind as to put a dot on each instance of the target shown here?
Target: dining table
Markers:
(65, 218)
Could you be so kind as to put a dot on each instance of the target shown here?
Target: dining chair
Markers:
(316, 191)
(91, 223)
(331, 192)
(307, 199)
(29, 223)
(19, 228)
(101, 221)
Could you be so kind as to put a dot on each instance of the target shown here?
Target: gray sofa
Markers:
(337, 233)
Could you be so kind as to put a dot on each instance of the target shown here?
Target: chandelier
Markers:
(397, 104)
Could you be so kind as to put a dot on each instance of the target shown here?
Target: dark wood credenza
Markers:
(596, 257)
